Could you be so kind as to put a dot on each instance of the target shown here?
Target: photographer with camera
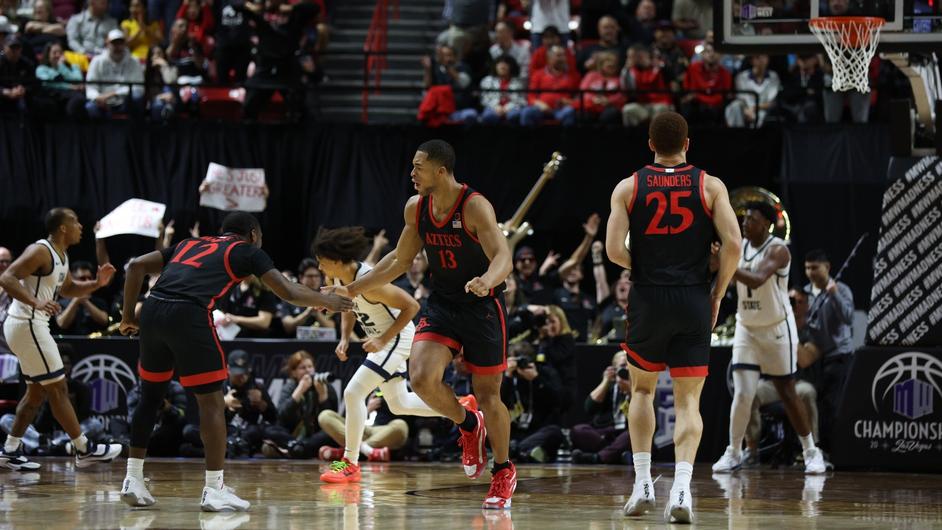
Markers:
(306, 394)
(250, 412)
(557, 347)
(532, 393)
(605, 440)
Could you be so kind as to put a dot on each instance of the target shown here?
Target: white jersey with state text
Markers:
(43, 287)
(767, 304)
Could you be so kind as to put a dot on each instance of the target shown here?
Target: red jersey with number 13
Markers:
(202, 270)
(671, 226)
(454, 255)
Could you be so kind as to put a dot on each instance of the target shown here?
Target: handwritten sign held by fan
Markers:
(134, 216)
(228, 188)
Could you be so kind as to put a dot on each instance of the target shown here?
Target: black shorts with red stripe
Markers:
(478, 328)
(179, 337)
(669, 327)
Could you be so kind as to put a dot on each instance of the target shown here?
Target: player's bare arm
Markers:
(776, 258)
(724, 220)
(347, 321)
(299, 295)
(394, 264)
(617, 229)
(394, 297)
(74, 289)
(36, 258)
(482, 222)
(138, 268)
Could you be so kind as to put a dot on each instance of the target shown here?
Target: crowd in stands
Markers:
(91, 60)
(612, 62)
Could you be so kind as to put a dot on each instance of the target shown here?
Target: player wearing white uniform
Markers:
(766, 338)
(385, 314)
(35, 280)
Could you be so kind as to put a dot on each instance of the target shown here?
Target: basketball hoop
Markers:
(850, 43)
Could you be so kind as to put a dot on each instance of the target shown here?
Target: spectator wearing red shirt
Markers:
(641, 74)
(199, 22)
(606, 108)
(558, 105)
(708, 75)
(551, 38)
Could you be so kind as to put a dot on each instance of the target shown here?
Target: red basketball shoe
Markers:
(503, 484)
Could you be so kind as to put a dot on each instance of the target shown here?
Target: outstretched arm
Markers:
(299, 295)
(394, 264)
(591, 227)
(74, 289)
(481, 220)
(617, 230)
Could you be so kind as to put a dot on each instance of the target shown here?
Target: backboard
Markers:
(781, 26)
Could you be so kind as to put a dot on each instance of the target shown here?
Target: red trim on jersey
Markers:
(634, 193)
(454, 208)
(690, 371)
(418, 213)
(675, 169)
(463, 223)
(225, 260)
(703, 195)
(435, 337)
(206, 378)
(643, 364)
(485, 370)
(503, 332)
(153, 377)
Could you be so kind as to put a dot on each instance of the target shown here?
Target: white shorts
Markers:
(391, 361)
(773, 350)
(31, 342)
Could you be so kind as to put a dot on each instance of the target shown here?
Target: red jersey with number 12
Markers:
(454, 255)
(202, 270)
(671, 226)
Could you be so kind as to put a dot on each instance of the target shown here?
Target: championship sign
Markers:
(134, 216)
(228, 188)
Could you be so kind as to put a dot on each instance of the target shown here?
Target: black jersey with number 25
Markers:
(455, 256)
(670, 226)
(202, 270)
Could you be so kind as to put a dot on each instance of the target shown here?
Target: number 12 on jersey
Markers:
(194, 261)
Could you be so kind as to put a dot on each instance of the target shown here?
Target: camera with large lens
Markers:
(622, 373)
(322, 377)
(524, 362)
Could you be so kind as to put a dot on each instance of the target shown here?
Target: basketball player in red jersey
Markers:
(177, 335)
(673, 212)
(468, 261)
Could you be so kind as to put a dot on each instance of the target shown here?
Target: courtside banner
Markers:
(228, 188)
(906, 299)
(891, 412)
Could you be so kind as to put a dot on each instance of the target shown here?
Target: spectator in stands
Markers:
(641, 27)
(592, 11)
(62, 81)
(533, 394)
(116, 66)
(178, 45)
(167, 435)
(200, 22)
(538, 58)
(163, 11)
(85, 315)
(387, 433)
(233, 49)
(159, 75)
(834, 102)
(742, 111)
(557, 347)
(251, 306)
(497, 103)
(88, 31)
(668, 55)
(468, 21)
(609, 41)
(414, 280)
(42, 28)
(504, 44)
(554, 104)
(802, 88)
(831, 315)
(605, 440)
(302, 400)
(604, 107)
(693, 17)
(707, 80)
(279, 32)
(17, 78)
(546, 13)
(250, 413)
(642, 74)
(142, 35)
(614, 313)
(292, 316)
(531, 282)
(6, 258)
(578, 306)
(446, 69)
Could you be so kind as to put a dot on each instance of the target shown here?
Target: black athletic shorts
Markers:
(478, 327)
(181, 337)
(669, 327)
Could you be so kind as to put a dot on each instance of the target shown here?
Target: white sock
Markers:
(214, 479)
(682, 473)
(807, 441)
(642, 466)
(12, 444)
(366, 449)
(80, 443)
(136, 468)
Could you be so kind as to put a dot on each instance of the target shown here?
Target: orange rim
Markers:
(853, 38)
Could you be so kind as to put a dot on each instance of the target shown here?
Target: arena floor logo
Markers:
(108, 377)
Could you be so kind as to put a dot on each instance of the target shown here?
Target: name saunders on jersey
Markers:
(669, 181)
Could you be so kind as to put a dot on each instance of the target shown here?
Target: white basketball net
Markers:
(850, 46)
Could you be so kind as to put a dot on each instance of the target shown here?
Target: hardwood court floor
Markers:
(287, 495)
